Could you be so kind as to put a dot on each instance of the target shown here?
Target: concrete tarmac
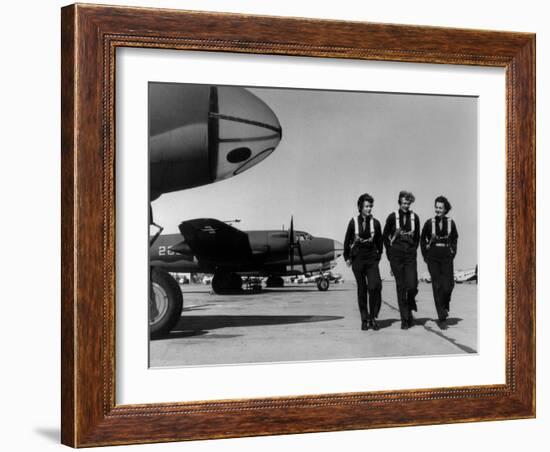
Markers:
(300, 323)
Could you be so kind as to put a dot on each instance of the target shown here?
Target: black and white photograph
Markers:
(305, 225)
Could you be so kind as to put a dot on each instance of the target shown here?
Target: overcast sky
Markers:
(337, 145)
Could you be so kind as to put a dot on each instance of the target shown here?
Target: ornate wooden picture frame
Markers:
(90, 37)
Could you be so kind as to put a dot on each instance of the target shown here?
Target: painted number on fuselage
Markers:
(166, 251)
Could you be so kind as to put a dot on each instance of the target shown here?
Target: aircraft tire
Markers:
(168, 303)
(275, 281)
(224, 283)
(323, 284)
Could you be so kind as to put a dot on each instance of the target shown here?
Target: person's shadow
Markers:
(418, 321)
(386, 323)
(422, 321)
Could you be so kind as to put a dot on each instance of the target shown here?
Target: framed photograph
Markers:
(282, 225)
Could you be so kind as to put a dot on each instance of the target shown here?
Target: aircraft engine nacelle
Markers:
(200, 134)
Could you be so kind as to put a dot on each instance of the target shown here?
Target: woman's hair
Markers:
(445, 202)
(364, 197)
(407, 195)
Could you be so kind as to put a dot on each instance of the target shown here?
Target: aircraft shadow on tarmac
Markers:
(175, 334)
(266, 291)
(202, 307)
(199, 325)
(300, 290)
(188, 334)
(211, 322)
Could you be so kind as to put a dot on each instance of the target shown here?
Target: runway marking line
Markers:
(454, 342)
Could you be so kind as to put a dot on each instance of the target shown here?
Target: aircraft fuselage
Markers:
(267, 254)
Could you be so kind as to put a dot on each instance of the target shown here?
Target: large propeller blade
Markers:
(292, 245)
(302, 258)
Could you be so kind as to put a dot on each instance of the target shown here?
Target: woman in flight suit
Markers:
(362, 251)
(438, 243)
(401, 237)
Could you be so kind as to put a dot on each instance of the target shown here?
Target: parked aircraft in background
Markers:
(208, 245)
(462, 276)
(335, 278)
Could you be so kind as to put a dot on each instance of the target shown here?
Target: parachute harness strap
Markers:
(397, 225)
(356, 227)
(449, 226)
(434, 232)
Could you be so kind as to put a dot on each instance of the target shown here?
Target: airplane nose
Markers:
(248, 131)
(338, 249)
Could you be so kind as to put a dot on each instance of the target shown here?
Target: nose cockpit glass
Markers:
(244, 130)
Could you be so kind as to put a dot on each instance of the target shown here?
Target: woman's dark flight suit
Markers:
(438, 243)
(364, 248)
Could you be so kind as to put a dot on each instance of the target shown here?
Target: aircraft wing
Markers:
(214, 241)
